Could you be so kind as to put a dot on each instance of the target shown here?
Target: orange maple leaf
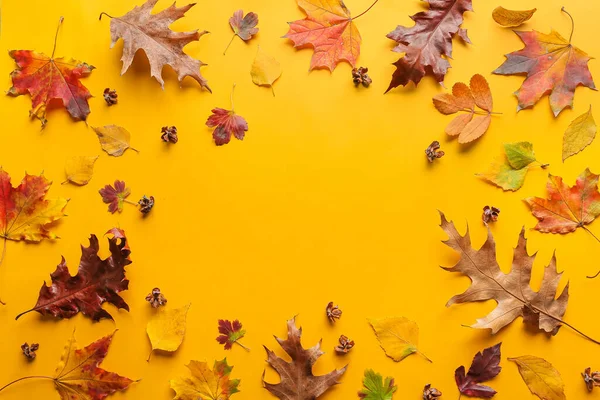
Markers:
(48, 79)
(329, 29)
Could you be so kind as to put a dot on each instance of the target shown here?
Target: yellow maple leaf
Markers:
(206, 384)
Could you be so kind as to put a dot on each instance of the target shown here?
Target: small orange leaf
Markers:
(475, 129)
(463, 95)
(456, 126)
(481, 93)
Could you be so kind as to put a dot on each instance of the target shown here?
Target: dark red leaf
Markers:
(485, 366)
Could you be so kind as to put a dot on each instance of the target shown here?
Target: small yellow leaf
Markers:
(542, 379)
(510, 18)
(80, 169)
(114, 139)
(580, 134)
(398, 337)
(167, 329)
(265, 70)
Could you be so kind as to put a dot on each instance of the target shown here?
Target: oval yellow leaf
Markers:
(542, 379)
(398, 337)
(113, 139)
(579, 134)
(265, 70)
(510, 18)
(167, 329)
(79, 169)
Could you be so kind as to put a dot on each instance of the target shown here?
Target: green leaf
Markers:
(376, 388)
(502, 174)
(519, 155)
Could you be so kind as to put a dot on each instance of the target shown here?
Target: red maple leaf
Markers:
(231, 332)
(226, 123)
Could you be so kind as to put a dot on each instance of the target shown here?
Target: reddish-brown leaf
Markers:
(230, 333)
(244, 26)
(115, 196)
(97, 281)
(485, 366)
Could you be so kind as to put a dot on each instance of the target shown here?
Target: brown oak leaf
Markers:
(140, 29)
(512, 292)
(297, 380)
(97, 281)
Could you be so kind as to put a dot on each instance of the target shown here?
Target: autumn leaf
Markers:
(226, 123)
(297, 381)
(467, 127)
(206, 384)
(96, 282)
(115, 196)
(398, 337)
(542, 379)
(243, 26)
(114, 139)
(552, 66)
(140, 29)
(580, 134)
(567, 208)
(265, 70)
(79, 169)
(330, 30)
(230, 333)
(48, 79)
(78, 375)
(376, 388)
(427, 45)
(510, 18)
(485, 366)
(166, 329)
(512, 292)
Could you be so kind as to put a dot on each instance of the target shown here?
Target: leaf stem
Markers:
(424, 356)
(103, 13)
(130, 202)
(367, 10)
(231, 98)
(572, 22)
(231, 41)
(60, 21)
(25, 377)
(468, 110)
(242, 346)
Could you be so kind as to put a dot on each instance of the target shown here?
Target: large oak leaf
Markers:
(98, 281)
(297, 379)
(540, 310)
(428, 44)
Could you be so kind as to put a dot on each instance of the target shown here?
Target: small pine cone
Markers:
(29, 351)
(591, 379)
(430, 393)
(110, 96)
(156, 298)
(146, 204)
(360, 76)
(333, 312)
(345, 345)
(169, 134)
(433, 151)
(490, 214)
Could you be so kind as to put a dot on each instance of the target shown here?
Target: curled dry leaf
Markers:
(140, 29)
(166, 329)
(265, 70)
(79, 169)
(206, 384)
(510, 18)
(96, 282)
(428, 44)
(580, 134)
(29, 351)
(552, 65)
(243, 26)
(398, 337)
(542, 379)
(468, 126)
(114, 139)
(375, 388)
(297, 380)
(156, 298)
(485, 366)
(591, 379)
(34, 76)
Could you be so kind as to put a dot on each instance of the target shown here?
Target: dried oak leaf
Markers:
(206, 384)
(79, 377)
(329, 29)
(428, 44)
(567, 208)
(26, 213)
(230, 333)
(485, 366)
(297, 380)
(552, 66)
(140, 29)
(97, 281)
(512, 293)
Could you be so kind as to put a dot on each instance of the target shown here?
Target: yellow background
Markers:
(330, 197)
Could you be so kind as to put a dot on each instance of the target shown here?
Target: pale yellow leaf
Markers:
(398, 336)
(265, 70)
(167, 329)
(510, 18)
(579, 134)
(542, 379)
(114, 139)
(80, 169)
